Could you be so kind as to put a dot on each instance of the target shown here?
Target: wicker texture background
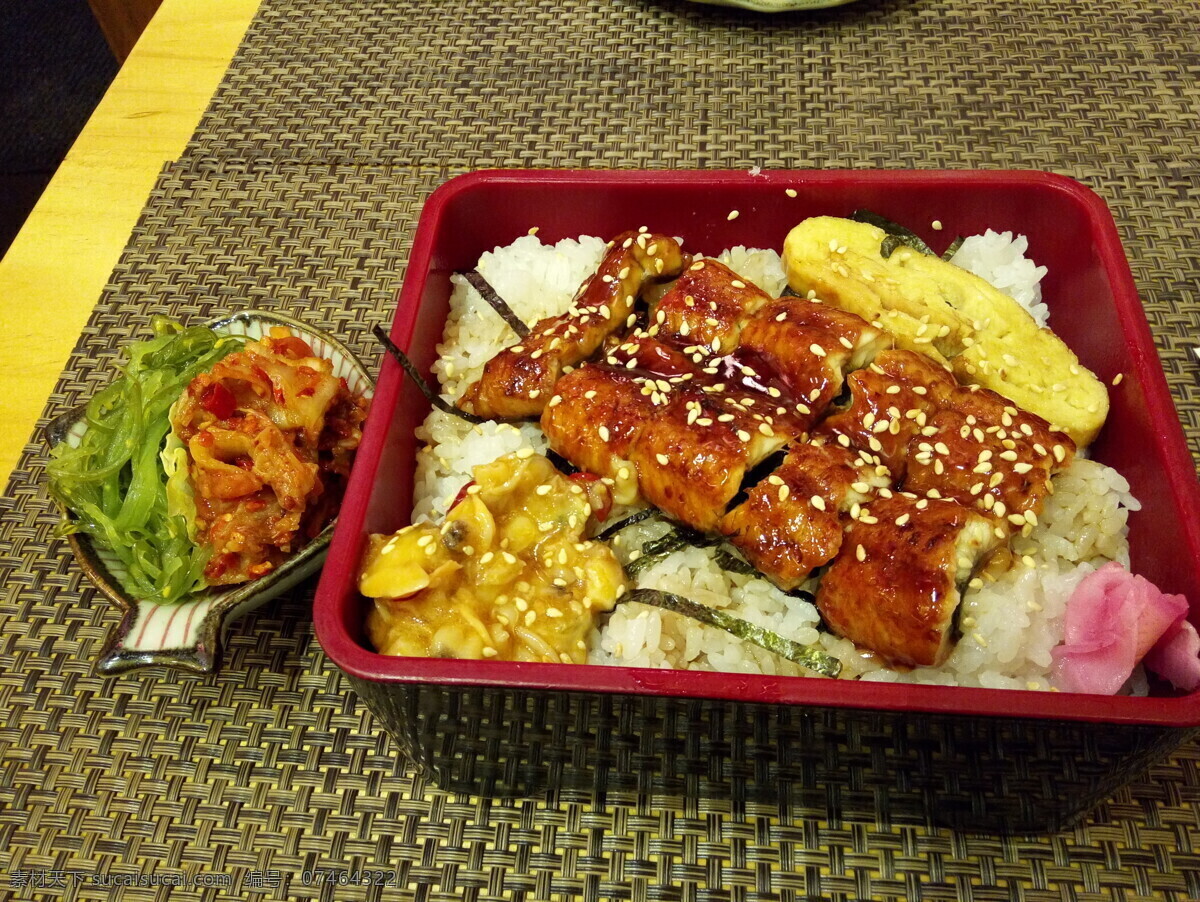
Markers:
(300, 191)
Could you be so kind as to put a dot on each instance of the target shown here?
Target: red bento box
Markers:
(989, 759)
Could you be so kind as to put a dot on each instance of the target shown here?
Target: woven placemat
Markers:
(300, 191)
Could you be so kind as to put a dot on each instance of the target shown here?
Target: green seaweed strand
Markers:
(808, 656)
(112, 482)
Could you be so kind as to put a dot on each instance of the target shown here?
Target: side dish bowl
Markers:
(445, 712)
(188, 635)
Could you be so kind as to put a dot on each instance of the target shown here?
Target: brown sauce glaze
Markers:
(891, 401)
(705, 308)
(810, 346)
(791, 522)
(519, 381)
(894, 586)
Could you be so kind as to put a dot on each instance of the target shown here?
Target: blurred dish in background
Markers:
(776, 6)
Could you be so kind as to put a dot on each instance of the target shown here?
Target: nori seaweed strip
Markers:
(889, 246)
(734, 564)
(611, 530)
(497, 303)
(803, 595)
(657, 549)
(805, 655)
(898, 233)
(433, 397)
(561, 464)
(953, 248)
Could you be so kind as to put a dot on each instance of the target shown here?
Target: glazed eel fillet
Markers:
(970, 470)
(519, 380)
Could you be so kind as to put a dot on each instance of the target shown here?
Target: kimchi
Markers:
(270, 432)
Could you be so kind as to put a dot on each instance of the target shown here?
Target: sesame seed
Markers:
(733, 214)
(817, 349)
(743, 435)
(738, 283)
(816, 500)
(937, 225)
(790, 192)
(604, 433)
(902, 519)
(544, 489)
(662, 459)
(860, 553)
(1117, 379)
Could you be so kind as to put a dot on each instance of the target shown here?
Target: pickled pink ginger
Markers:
(1114, 620)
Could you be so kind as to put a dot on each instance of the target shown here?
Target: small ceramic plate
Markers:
(188, 636)
(776, 6)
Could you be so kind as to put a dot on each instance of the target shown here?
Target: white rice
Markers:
(1000, 259)
(1009, 625)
